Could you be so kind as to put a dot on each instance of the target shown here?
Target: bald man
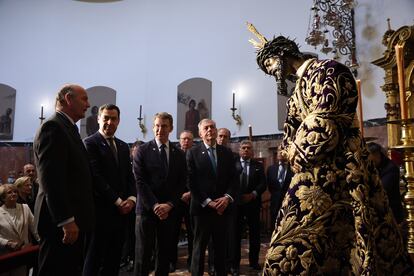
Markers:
(64, 209)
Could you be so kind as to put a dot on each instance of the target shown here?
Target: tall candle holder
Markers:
(140, 119)
(406, 146)
(235, 116)
(42, 117)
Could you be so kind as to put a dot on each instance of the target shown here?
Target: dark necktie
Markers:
(76, 130)
(244, 176)
(111, 142)
(163, 155)
(212, 158)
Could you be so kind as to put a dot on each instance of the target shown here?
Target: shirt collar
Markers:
(242, 160)
(66, 115)
(207, 146)
(167, 145)
(106, 136)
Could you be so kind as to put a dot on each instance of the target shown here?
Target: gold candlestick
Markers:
(406, 146)
(361, 117)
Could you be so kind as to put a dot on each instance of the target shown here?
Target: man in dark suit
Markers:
(64, 209)
(114, 194)
(249, 203)
(278, 177)
(160, 173)
(213, 183)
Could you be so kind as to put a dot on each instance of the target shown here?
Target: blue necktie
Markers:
(212, 158)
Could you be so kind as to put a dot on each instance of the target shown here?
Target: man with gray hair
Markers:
(213, 183)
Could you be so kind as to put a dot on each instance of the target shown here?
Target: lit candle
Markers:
(361, 117)
(140, 111)
(234, 99)
(399, 55)
(41, 111)
(250, 132)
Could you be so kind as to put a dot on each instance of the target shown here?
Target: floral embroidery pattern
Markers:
(335, 218)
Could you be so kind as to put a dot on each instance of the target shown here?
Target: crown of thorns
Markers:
(278, 46)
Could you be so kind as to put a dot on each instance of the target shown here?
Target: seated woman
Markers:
(16, 220)
(24, 190)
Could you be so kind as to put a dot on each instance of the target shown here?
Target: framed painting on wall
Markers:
(193, 104)
(7, 110)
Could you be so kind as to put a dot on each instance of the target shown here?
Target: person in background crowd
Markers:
(16, 223)
(24, 189)
(390, 178)
(30, 171)
(114, 194)
(183, 208)
(278, 177)
(249, 203)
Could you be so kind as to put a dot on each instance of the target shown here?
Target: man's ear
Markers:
(68, 99)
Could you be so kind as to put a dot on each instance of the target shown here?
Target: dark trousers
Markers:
(151, 232)
(183, 212)
(249, 213)
(104, 245)
(128, 251)
(57, 258)
(206, 226)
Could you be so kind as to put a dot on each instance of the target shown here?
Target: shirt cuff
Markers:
(229, 197)
(255, 193)
(118, 201)
(133, 198)
(206, 202)
(66, 221)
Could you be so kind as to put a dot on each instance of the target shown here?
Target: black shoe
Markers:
(211, 271)
(234, 272)
(255, 266)
(172, 268)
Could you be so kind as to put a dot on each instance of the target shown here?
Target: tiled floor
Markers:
(244, 265)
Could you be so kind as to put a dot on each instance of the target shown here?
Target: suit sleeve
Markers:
(52, 154)
(132, 189)
(234, 177)
(197, 193)
(101, 185)
(146, 196)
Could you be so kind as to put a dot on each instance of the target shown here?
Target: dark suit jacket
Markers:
(390, 178)
(110, 180)
(277, 190)
(153, 184)
(64, 176)
(256, 182)
(204, 182)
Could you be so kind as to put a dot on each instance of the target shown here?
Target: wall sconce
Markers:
(140, 118)
(235, 116)
(42, 117)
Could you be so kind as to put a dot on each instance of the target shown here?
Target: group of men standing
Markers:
(87, 189)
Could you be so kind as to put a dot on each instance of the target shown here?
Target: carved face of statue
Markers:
(277, 67)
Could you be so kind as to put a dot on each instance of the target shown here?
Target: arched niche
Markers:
(98, 95)
(193, 104)
(7, 111)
